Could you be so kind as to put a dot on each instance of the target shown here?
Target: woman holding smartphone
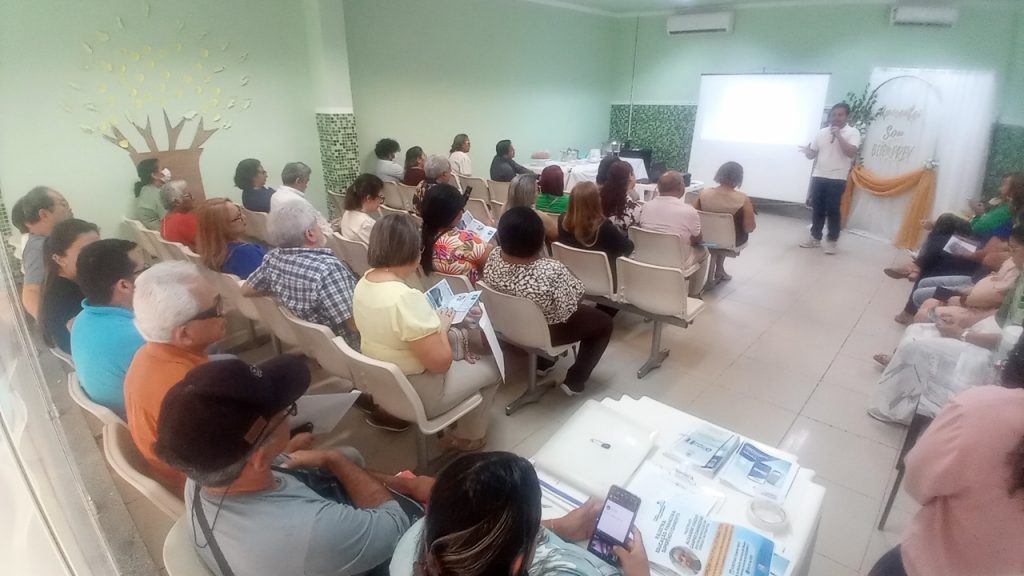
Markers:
(484, 518)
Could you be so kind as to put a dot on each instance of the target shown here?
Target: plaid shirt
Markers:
(312, 283)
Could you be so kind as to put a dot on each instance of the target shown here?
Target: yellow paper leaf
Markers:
(177, 47)
(135, 92)
(102, 88)
(74, 85)
(199, 89)
(120, 23)
(147, 49)
(136, 56)
(226, 126)
(123, 68)
(140, 77)
(245, 80)
(103, 126)
(215, 102)
(167, 75)
(87, 129)
(218, 69)
(187, 78)
(206, 80)
(224, 48)
(108, 66)
(150, 64)
(87, 48)
(123, 143)
(216, 118)
(103, 36)
(205, 53)
(217, 91)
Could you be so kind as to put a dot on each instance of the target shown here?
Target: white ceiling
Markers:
(630, 7)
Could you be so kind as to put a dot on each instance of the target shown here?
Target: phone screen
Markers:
(614, 523)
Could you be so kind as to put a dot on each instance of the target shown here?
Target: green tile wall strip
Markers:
(338, 151)
(667, 130)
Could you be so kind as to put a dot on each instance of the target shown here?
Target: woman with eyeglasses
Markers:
(251, 179)
(219, 239)
(362, 203)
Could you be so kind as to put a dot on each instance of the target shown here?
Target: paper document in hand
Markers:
(440, 296)
(959, 246)
(323, 410)
(482, 230)
(681, 542)
(759, 472)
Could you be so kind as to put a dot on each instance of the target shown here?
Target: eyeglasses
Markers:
(211, 312)
(239, 218)
(271, 425)
(136, 273)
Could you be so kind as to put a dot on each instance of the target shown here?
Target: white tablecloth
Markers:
(802, 504)
(585, 170)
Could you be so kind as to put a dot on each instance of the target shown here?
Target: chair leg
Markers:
(422, 453)
(277, 344)
(534, 391)
(657, 356)
(892, 498)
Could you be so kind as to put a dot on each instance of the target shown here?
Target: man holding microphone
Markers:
(835, 148)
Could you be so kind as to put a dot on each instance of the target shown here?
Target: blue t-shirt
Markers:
(257, 199)
(103, 342)
(243, 258)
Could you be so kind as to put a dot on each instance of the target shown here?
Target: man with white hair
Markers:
(303, 275)
(294, 179)
(438, 170)
(179, 315)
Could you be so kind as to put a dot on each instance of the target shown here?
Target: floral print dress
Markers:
(460, 252)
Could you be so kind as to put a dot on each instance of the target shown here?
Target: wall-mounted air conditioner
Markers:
(940, 16)
(700, 22)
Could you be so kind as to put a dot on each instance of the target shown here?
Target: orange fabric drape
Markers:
(920, 182)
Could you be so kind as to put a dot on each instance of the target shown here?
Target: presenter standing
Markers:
(834, 148)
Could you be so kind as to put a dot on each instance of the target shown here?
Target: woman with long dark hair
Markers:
(148, 207)
(362, 202)
(462, 164)
(61, 296)
(618, 197)
(251, 179)
(415, 159)
(967, 472)
(446, 248)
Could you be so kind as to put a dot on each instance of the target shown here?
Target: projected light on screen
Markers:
(759, 120)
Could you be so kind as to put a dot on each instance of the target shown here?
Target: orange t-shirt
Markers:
(155, 369)
(180, 227)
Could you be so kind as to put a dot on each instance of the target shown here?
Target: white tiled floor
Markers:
(782, 353)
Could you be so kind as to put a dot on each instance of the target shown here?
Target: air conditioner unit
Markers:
(942, 17)
(700, 22)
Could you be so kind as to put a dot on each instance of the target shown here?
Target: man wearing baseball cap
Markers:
(226, 425)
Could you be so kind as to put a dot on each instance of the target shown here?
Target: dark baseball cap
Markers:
(216, 414)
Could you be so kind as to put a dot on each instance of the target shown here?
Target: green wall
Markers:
(52, 82)
(423, 71)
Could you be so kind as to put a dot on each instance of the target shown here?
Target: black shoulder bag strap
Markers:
(218, 556)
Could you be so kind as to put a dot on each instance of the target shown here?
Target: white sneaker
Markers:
(830, 247)
(810, 243)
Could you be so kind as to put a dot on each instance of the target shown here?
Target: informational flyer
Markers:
(440, 296)
(681, 542)
(760, 472)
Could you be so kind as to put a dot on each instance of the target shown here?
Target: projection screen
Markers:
(759, 120)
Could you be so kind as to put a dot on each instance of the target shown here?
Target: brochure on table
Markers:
(440, 295)
(759, 471)
(482, 230)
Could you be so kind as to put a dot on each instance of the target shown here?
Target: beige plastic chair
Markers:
(129, 464)
(191, 256)
(406, 193)
(230, 288)
(277, 318)
(64, 357)
(337, 200)
(256, 226)
(354, 254)
(479, 188)
(478, 208)
(719, 229)
(590, 266)
(385, 210)
(691, 198)
(661, 249)
(499, 191)
(393, 392)
(520, 322)
(458, 283)
(392, 197)
(102, 413)
(496, 209)
(176, 250)
(141, 238)
(660, 291)
(317, 341)
(180, 556)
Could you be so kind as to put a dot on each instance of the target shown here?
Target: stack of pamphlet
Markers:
(760, 471)
(705, 448)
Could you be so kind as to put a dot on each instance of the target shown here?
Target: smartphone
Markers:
(614, 524)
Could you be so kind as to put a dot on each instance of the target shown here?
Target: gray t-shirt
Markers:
(34, 259)
(290, 530)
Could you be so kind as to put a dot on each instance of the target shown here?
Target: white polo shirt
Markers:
(832, 162)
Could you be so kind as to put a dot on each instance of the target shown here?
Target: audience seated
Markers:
(179, 224)
(179, 314)
(18, 222)
(603, 167)
(104, 338)
(148, 208)
(294, 180)
(362, 202)
(62, 298)
(967, 473)
(522, 191)
(503, 167)
(462, 164)
(387, 169)
(552, 198)
(251, 179)
(41, 209)
(519, 269)
(584, 226)
(726, 199)
(669, 213)
(935, 361)
(226, 426)
(414, 162)
(221, 227)
(971, 302)
(436, 170)
(447, 248)
(619, 198)
(485, 518)
(397, 324)
(303, 275)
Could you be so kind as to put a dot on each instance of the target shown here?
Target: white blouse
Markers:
(461, 163)
(356, 225)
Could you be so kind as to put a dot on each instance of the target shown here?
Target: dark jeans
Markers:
(593, 329)
(826, 196)
(890, 564)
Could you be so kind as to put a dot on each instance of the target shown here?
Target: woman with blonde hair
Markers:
(584, 225)
(219, 239)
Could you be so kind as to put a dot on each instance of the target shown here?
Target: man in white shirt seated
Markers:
(256, 512)
(669, 213)
(387, 169)
(294, 179)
